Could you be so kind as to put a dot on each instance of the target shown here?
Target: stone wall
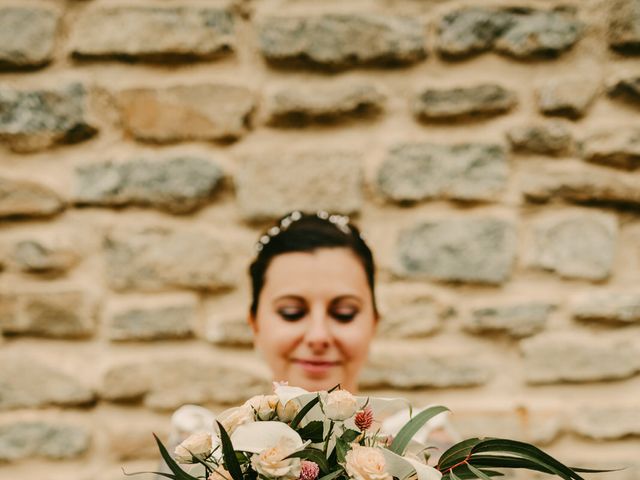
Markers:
(489, 151)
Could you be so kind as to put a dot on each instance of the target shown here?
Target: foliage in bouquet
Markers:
(297, 435)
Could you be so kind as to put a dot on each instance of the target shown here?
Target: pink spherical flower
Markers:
(364, 419)
(309, 470)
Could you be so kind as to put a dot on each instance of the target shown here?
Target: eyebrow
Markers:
(302, 299)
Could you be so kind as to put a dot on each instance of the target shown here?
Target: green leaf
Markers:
(332, 475)
(162, 474)
(298, 418)
(453, 476)
(456, 453)
(350, 435)
(313, 454)
(479, 473)
(465, 474)
(312, 431)
(229, 455)
(171, 463)
(342, 448)
(407, 432)
(503, 461)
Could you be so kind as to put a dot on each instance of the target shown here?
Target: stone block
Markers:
(61, 314)
(624, 26)
(337, 41)
(128, 438)
(23, 198)
(424, 171)
(607, 306)
(607, 423)
(324, 180)
(27, 37)
(169, 384)
(159, 323)
(393, 369)
(414, 318)
(467, 250)
(33, 120)
(33, 439)
(551, 138)
(463, 103)
(43, 255)
(581, 184)
(572, 357)
(229, 330)
(323, 104)
(145, 259)
(568, 97)
(37, 385)
(522, 33)
(178, 185)
(619, 148)
(576, 244)
(516, 320)
(626, 89)
(153, 33)
(186, 112)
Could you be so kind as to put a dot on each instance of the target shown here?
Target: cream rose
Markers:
(198, 445)
(263, 405)
(220, 473)
(288, 411)
(366, 463)
(234, 417)
(272, 462)
(339, 405)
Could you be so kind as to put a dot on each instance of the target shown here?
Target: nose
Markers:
(318, 334)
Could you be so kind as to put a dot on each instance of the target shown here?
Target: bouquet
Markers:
(298, 435)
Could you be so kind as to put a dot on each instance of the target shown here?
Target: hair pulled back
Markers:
(306, 232)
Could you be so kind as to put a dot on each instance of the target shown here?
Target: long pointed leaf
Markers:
(332, 475)
(456, 453)
(179, 473)
(503, 461)
(407, 432)
(479, 473)
(298, 418)
(162, 474)
(230, 460)
(314, 455)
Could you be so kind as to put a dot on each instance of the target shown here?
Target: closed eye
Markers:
(291, 315)
(345, 316)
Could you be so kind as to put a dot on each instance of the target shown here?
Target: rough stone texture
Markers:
(420, 171)
(168, 384)
(607, 423)
(616, 148)
(229, 330)
(43, 256)
(410, 370)
(186, 112)
(23, 198)
(573, 357)
(585, 184)
(627, 89)
(454, 104)
(471, 250)
(178, 185)
(518, 320)
(624, 26)
(27, 37)
(159, 323)
(129, 438)
(37, 385)
(551, 138)
(576, 244)
(568, 97)
(145, 259)
(54, 441)
(32, 120)
(609, 306)
(342, 40)
(419, 318)
(324, 180)
(520, 33)
(61, 314)
(153, 33)
(300, 106)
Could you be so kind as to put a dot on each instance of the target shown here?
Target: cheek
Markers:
(354, 341)
(276, 338)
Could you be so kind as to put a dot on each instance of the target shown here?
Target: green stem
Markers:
(326, 442)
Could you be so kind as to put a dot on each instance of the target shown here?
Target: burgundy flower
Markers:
(364, 418)
(309, 470)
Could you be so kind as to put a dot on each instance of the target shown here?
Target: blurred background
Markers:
(487, 149)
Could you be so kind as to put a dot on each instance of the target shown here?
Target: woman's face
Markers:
(315, 318)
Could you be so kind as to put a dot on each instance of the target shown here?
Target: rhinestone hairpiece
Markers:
(340, 221)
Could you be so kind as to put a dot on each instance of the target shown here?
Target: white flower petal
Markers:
(425, 472)
(402, 467)
(286, 393)
(255, 437)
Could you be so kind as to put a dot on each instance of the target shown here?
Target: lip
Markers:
(315, 367)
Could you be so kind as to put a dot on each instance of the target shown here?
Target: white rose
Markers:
(271, 462)
(366, 463)
(198, 445)
(234, 417)
(220, 473)
(263, 405)
(288, 411)
(339, 405)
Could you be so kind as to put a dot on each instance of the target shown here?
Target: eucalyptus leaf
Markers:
(314, 455)
(407, 432)
(298, 418)
(230, 460)
(456, 453)
(179, 473)
(312, 431)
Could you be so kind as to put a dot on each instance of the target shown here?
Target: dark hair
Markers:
(305, 232)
